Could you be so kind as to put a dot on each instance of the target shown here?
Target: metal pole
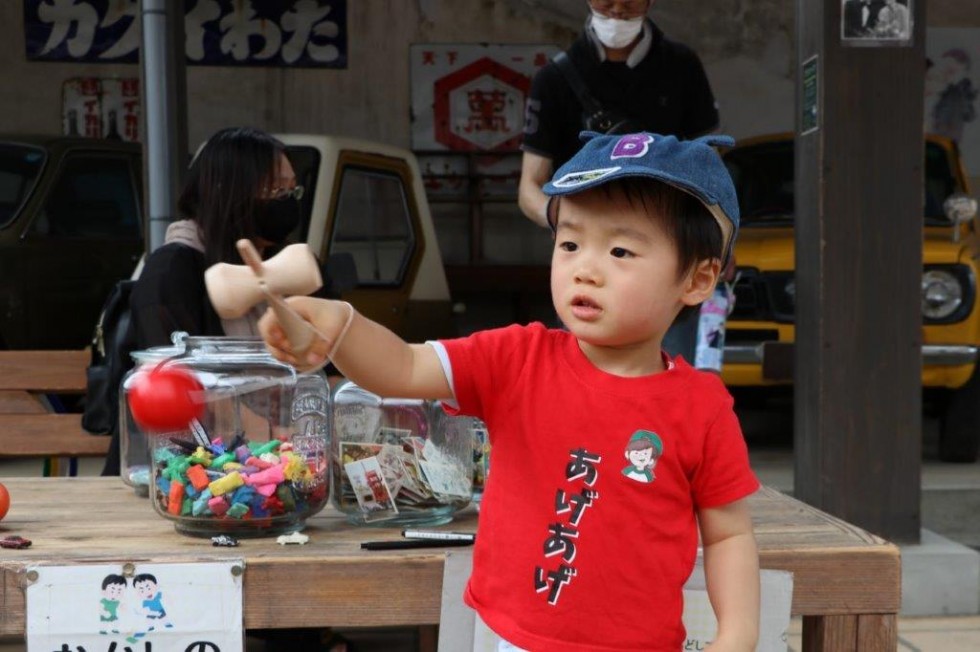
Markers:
(164, 112)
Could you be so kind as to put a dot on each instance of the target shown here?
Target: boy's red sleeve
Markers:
(481, 365)
(724, 474)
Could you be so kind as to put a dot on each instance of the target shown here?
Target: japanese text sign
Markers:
(297, 33)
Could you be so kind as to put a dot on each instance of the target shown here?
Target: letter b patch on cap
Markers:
(632, 146)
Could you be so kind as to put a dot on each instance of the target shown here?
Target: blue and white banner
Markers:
(296, 33)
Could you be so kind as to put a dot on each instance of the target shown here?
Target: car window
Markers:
(940, 182)
(306, 163)
(93, 197)
(20, 166)
(374, 225)
(763, 176)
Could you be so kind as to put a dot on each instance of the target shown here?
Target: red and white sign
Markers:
(472, 97)
(81, 101)
(96, 107)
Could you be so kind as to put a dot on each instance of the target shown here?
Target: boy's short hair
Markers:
(145, 577)
(113, 579)
(692, 166)
(685, 220)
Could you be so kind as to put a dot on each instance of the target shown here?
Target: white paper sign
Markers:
(192, 607)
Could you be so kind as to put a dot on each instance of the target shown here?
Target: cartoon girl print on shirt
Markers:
(642, 452)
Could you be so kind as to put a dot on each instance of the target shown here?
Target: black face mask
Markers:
(276, 218)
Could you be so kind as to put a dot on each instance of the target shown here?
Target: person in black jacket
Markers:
(630, 68)
(634, 72)
(241, 185)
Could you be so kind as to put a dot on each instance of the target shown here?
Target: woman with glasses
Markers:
(240, 185)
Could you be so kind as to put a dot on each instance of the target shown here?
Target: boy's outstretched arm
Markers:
(364, 351)
(731, 571)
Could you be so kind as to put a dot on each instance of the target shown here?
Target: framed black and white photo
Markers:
(876, 22)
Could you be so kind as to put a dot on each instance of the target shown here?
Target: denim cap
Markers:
(689, 165)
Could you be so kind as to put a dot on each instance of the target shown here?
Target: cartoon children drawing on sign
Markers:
(642, 452)
(113, 588)
(152, 606)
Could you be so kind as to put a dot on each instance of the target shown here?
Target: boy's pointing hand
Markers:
(328, 319)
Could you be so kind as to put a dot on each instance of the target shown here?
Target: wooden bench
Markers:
(29, 427)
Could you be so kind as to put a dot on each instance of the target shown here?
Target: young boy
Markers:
(113, 590)
(573, 553)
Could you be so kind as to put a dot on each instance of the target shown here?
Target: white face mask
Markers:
(614, 32)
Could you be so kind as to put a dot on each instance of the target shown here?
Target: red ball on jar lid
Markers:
(165, 398)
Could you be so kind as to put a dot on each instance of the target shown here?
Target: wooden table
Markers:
(847, 583)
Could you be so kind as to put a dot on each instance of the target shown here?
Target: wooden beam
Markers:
(20, 402)
(48, 435)
(859, 221)
(44, 371)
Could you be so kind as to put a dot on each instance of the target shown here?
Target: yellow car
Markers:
(760, 331)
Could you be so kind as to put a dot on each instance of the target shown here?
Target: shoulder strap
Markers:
(577, 84)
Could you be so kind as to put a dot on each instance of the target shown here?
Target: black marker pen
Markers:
(405, 544)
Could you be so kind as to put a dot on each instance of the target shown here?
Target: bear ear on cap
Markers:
(716, 140)
(586, 136)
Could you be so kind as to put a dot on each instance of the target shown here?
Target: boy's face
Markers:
(146, 589)
(114, 591)
(614, 276)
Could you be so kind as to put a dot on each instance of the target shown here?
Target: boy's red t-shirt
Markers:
(577, 548)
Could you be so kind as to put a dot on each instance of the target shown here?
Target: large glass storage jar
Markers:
(134, 448)
(398, 461)
(255, 462)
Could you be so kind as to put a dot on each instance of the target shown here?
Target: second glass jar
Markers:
(398, 461)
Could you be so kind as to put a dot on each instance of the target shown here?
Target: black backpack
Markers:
(112, 343)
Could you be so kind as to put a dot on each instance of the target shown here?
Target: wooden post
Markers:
(859, 221)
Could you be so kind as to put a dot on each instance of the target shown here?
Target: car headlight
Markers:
(942, 294)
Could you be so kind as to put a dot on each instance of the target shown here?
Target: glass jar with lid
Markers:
(255, 462)
(134, 448)
(398, 461)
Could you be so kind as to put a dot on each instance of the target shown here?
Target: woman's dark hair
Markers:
(222, 186)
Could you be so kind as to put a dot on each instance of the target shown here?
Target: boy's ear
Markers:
(701, 281)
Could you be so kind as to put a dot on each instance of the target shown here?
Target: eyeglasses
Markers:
(296, 192)
(629, 8)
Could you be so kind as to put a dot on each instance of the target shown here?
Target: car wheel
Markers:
(959, 429)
